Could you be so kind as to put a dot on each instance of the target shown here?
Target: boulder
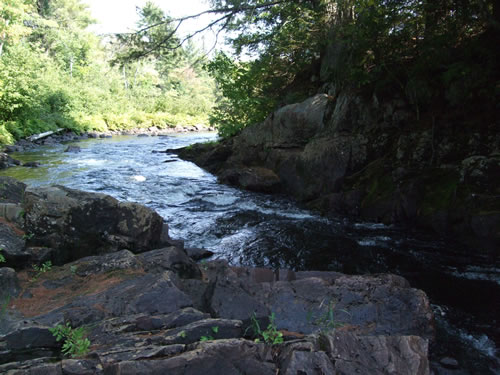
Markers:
(11, 190)
(255, 179)
(78, 224)
(6, 161)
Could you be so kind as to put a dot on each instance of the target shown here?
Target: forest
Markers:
(56, 74)
(437, 55)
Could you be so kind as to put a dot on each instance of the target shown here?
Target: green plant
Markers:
(215, 330)
(327, 321)
(75, 343)
(270, 335)
(73, 269)
(45, 267)
(2, 258)
(28, 236)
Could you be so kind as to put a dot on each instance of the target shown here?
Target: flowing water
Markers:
(261, 230)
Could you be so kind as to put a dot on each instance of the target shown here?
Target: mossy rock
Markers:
(440, 190)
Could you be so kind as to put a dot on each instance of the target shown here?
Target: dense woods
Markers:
(54, 73)
(437, 55)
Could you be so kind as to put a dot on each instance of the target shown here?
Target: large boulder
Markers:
(77, 223)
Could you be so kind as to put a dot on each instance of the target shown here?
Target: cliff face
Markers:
(367, 158)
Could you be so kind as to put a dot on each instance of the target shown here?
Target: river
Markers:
(260, 230)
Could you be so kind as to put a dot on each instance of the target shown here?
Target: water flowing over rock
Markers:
(359, 157)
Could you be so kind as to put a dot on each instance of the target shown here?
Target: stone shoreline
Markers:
(68, 136)
(147, 307)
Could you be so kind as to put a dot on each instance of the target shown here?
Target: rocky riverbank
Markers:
(146, 307)
(349, 155)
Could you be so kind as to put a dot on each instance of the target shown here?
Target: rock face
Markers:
(147, 314)
(76, 223)
(147, 307)
(359, 157)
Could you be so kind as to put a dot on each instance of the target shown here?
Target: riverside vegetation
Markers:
(54, 73)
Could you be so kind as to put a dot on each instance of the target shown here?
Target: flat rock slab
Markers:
(160, 312)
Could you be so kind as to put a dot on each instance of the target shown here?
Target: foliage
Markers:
(327, 321)
(270, 335)
(434, 54)
(2, 258)
(75, 343)
(56, 74)
(45, 267)
(215, 330)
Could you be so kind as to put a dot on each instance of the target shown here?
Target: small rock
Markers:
(449, 362)
(31, 164)
(198, 254)
(73, 149)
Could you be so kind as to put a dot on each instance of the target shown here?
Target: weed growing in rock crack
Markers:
(28, 236)
(2, 258)
(215, 330)
(75, 343)
(327, 321)
(72, 269)
(270, 335)
(45, 267)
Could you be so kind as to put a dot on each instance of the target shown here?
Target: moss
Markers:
(375, 179)
(440, 191)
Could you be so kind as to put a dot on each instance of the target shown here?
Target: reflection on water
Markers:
(254, 229)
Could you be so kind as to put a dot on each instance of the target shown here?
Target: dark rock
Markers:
(197, 253)
(6, 161)
(11, 190)
(143, 135)
(210, 329)
(13, 245)
(31, 164)
(73, 149)
(33, 367)
(307, 363)
(376, 354)
(94, 265)
(449, 362)
(13, 148)
(149, 294)
(78, 224)
(10, 285)
(254, 179)
(29, 338)
(176, 319)
(170, 259)
(228, 357)
(80, 367)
